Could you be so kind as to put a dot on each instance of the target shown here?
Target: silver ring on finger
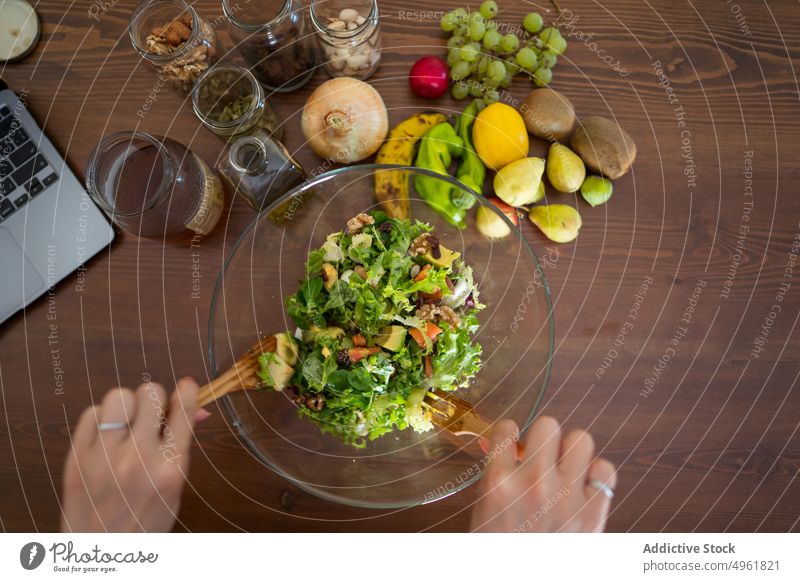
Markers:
(602, 487)
(106, 426)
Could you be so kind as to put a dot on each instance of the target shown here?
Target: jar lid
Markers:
(20, 29)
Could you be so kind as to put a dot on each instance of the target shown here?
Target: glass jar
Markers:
(349, 36)
(172, 38)
(273, 38)
(260, 169)
(154, 186)
(230, 102)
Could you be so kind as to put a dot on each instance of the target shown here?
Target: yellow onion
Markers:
(345, 120)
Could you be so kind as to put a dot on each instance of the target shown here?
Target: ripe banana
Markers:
(391, 186)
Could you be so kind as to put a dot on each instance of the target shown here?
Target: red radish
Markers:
(510, 212)
(429, 77)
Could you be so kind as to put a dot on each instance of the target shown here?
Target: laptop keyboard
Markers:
(24, 171)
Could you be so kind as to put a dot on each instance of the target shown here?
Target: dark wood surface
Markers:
(712, 447)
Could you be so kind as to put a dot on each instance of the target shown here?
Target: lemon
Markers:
(500, 136)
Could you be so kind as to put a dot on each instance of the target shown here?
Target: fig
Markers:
(565, 169)
(559, 222)
(596, 190)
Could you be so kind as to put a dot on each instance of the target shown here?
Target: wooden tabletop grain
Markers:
(676, 309)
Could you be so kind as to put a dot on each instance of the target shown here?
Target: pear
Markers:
(518, 183)
(489, 222)
(559, 222)
(565, 169)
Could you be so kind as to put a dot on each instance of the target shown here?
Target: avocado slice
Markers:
(391, 338)
(286, 348)
(445, 259)
(277, 374)
(329, 275)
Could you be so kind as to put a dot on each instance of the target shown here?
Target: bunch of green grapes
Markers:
(483, 60)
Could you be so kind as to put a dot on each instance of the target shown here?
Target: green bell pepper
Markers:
(471, 170)
(438, 147)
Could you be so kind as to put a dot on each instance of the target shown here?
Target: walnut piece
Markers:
(421, 245)
(437, 313)
(358, 222)
(157, 44)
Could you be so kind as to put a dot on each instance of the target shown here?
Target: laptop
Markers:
(48, 224)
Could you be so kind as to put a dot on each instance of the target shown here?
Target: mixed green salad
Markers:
(384, 314)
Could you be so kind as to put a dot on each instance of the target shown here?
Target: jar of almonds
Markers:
(171, 36)
(349, 34)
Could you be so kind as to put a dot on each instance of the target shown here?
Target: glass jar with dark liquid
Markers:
(275, 41)
(154, 186)
(260, 169)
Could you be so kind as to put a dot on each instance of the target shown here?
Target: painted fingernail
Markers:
(201, 415)
(484, 443)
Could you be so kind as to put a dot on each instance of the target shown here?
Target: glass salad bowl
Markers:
(401, 468)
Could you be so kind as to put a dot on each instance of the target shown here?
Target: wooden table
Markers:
(700, 411)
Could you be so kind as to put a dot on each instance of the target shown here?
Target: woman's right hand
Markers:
(129, 459)
(557, 486)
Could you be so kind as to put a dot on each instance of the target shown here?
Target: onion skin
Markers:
(345, 120)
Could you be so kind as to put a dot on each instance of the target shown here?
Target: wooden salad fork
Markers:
(455, 415)
(242, 375)
(458, 417)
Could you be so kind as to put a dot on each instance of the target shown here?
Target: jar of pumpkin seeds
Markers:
(348, 32)
(230, 101)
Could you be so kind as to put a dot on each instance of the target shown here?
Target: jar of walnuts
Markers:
(171, 36)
